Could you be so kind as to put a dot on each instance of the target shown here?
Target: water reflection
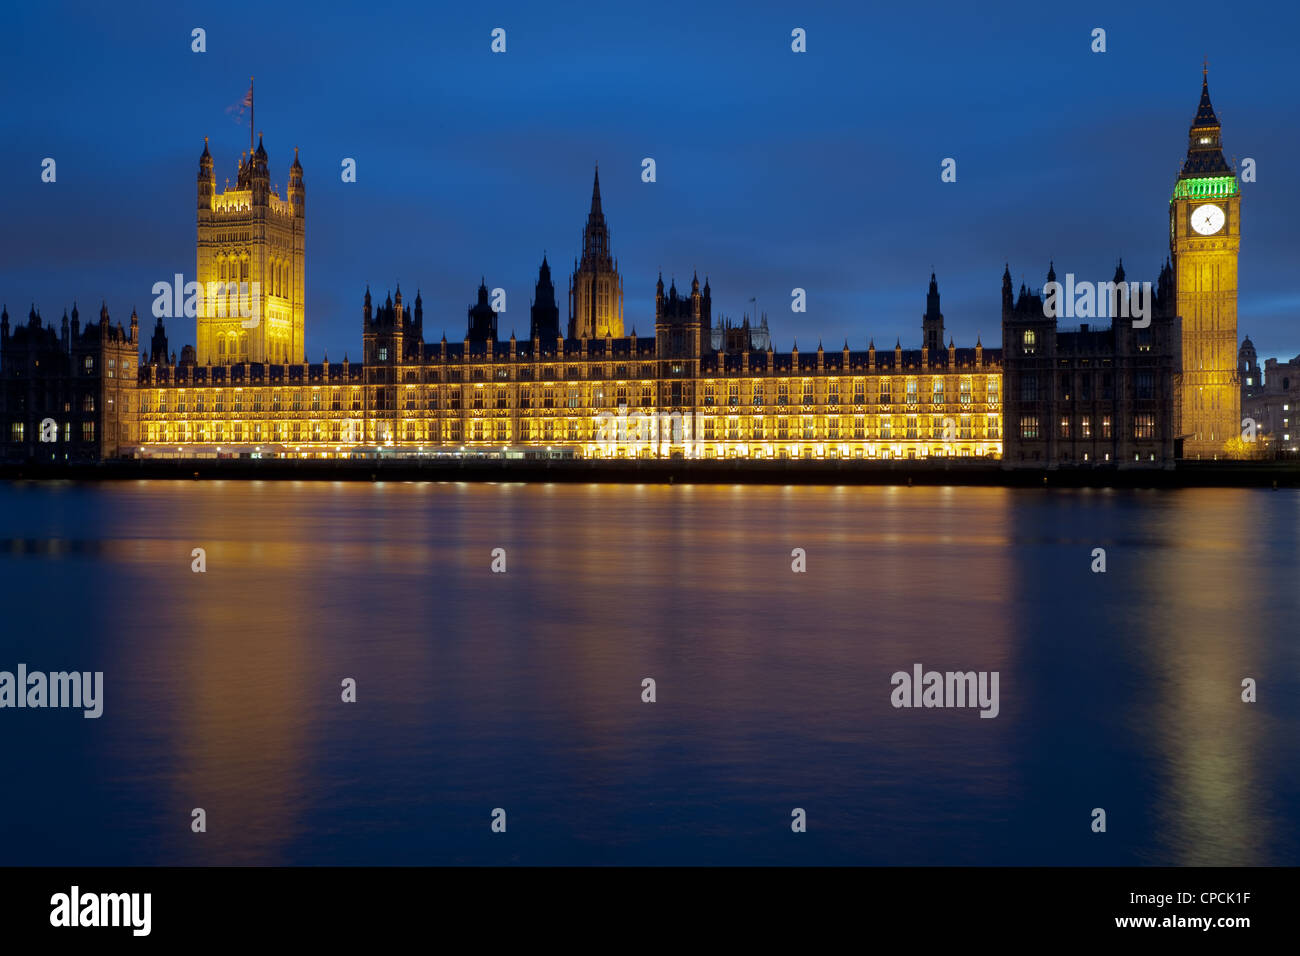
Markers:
(523, 689)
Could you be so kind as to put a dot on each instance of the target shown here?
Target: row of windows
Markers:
(548, 396)
(237, 268)
(165, 401)
(87, 403)
(111, 367)
(883, 391)
(737, 428)
(1144, 426)
(1029, 341)
(18, 431)
(558, 430)
(526, 371)
(1082, 388)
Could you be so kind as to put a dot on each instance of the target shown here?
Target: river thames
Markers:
(522, 690)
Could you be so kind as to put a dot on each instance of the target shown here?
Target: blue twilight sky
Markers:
(775, 169)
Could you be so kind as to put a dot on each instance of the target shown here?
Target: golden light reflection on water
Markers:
(1212, 810)
(467, 677)
(692, 584)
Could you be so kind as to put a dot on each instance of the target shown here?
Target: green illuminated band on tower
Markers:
(1208, 187)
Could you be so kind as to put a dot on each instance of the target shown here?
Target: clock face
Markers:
(1208, 219)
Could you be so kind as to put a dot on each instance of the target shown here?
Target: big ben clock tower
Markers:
(1204, 236)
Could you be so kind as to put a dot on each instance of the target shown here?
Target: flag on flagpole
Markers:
(237, 110)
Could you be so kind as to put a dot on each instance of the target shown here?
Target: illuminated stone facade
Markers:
(594, 393)
(596, 290)
(1204, 237)
(251, 258)
(693, 389)
(632, 396)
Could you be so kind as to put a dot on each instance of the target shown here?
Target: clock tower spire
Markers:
(1204, 237)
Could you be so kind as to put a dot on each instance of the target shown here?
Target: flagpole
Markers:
(252, 119)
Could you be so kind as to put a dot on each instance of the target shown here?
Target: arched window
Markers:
(221, 346)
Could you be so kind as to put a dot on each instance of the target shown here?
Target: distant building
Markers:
(1270, 399)
(67, 396)
(728, 337)
(1248, 367)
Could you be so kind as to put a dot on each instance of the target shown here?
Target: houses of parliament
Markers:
(584, 385)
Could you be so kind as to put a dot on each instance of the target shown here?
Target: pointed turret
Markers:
(297, 191)
(158, 344)
(207, 180)
(544, 315)
(1205, 139)
(482, 319)
(1204, 109)
(932, 321)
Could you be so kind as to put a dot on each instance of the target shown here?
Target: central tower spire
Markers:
(596, 290)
